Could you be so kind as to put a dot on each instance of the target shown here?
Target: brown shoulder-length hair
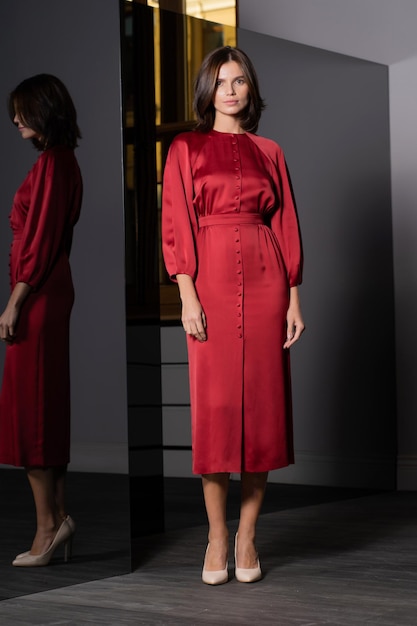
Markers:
(205, 87)
(43, 103)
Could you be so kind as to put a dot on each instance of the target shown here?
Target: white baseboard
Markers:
(407, 473)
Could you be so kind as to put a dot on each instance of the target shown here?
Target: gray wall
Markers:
(79, 42)
(403, 111)
(382, 31)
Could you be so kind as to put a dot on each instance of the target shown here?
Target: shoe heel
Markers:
(64, 535)
(68, 550)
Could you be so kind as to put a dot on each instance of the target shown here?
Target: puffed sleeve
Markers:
(285, 224)
(179, 222)
(44, 232)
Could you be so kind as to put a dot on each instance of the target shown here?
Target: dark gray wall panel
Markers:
(330, 114)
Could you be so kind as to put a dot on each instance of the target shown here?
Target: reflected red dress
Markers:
(229, 221)
(35, 394)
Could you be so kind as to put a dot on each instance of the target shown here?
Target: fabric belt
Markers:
(227, 218)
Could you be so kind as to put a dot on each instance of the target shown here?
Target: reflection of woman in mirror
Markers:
(231, 241)
(35, 393)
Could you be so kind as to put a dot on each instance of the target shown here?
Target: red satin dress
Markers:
(35, 394)
(230, 222)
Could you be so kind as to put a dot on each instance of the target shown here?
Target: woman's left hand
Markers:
(295, 322)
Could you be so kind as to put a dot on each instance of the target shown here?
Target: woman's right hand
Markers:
(8, 322)
(193, 317)
(10, 315)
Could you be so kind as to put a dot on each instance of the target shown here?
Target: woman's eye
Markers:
(218, 83)
(240, 81)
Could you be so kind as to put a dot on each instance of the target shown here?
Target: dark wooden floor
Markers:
(329, 557)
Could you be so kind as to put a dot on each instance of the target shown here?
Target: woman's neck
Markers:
(228, 125)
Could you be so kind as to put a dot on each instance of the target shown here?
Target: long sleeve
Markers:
(284, 221)
(179, 222)
(55, 197)
(285, 224)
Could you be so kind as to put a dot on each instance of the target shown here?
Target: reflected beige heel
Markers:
(64, 535)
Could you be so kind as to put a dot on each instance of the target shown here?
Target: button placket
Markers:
(236, 203)
(237, 168)
(239, 284)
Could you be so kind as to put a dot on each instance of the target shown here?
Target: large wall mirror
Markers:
(79, 41)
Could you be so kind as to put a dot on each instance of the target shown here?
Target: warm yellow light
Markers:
(220, 11)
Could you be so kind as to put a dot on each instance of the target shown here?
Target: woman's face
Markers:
(25, 131)
(232, 91)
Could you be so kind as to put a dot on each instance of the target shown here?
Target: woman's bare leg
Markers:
(215, 489)
(253, 491)
(60, 474)
(42, 482)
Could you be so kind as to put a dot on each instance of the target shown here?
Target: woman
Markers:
(231, 241)
(35, 394)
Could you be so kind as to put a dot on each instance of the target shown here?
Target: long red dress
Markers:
(229, 221)
(35, 394)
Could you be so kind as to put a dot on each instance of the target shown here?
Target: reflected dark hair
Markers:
(44, 104)
(205, 88)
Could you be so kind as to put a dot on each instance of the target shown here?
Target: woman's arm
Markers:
(43, 239)
(295, 323)
(193, 318)
(179, 220)
(10, 315)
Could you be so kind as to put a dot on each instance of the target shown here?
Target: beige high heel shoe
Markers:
(64, 535)
(247, 575)
(214, 577)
